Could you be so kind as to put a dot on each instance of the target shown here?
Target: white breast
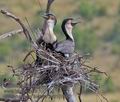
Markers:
(49, 36)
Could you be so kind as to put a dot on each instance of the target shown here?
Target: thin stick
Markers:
(95, 70)
(9, 34)
(26, 32)
(29, 53)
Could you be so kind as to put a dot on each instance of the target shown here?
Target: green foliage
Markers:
(113, 37)
(58, 31)
(98, 78)
(21, 45)
(8, 77)
(12, 44)
(119, 9)
(88, 9)
(10, 94)
(38, 20)
(39, 13)
(4, 51)
(86, 40)
(108, 85)
(115, 49)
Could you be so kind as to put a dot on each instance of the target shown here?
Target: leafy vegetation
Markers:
(89, 9)
(86, 40)
(108, 85)
(7, 77)
(113, 37)
(4, 50)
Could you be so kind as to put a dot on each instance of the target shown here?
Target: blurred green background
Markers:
(99, 36)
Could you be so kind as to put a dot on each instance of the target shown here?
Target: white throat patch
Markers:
(69, 31)
(49, 36)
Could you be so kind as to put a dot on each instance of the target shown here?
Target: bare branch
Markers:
(49, 5)
(26, 32)
(94, 69)
(29, 53)
(80, 93)
(9, 34)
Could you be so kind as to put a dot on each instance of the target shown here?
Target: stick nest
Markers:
(55, 70)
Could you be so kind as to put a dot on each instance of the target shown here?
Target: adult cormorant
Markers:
(67, 46)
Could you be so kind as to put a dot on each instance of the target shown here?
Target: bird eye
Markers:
(69, 22)
(51, 17)
(48, 17)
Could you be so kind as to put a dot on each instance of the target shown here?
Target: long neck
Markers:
(50, 27)
(67, 32)
(49, 36)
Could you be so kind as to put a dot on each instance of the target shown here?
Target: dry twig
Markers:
(9, 34)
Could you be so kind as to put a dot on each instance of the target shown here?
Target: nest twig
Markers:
(55, 71)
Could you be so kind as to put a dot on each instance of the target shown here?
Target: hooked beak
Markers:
(74, 22)
(45, 16)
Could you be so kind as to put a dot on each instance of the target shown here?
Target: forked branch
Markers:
(26, 32)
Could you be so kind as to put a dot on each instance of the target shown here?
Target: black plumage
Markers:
(47, 37)
(66, 47)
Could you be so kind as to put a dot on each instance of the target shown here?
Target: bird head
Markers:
(69, 23)
(67, 26)
(50, 19)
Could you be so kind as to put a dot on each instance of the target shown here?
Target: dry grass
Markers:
(89, 98)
